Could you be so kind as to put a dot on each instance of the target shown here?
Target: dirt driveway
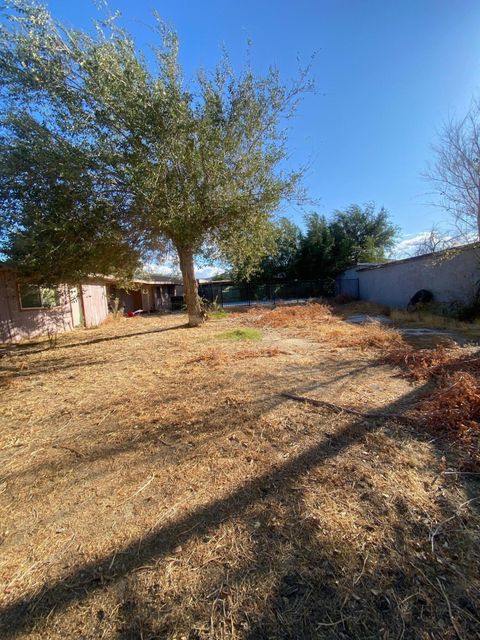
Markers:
(156, 484)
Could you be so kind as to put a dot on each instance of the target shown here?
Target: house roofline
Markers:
(4, 266)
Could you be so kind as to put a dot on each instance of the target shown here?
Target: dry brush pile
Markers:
(318, 321)
(451, 406)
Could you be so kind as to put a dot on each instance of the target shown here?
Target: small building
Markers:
(452, 276)
(30, 310)
(149, 295)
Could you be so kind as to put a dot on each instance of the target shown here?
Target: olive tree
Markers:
(109, 156)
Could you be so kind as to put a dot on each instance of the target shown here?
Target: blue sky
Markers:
(387, 74)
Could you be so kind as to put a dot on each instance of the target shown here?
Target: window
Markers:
(34, 296)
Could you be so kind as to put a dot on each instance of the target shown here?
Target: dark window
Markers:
(34, 296)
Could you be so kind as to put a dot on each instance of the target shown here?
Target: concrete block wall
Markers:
(452, 276)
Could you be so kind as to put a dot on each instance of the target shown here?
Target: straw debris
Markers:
(153, 485)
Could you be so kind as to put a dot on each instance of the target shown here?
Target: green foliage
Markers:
(218, 314)
(107, 159)
(282, 262)
(326, 248)
(238, 335)
(315, 258)
(225, 275)
(361, 235)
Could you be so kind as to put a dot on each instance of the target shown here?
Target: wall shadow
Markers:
(29, 349)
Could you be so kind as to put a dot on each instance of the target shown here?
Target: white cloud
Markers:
(168, 268)
(207, 272)
(405, 247)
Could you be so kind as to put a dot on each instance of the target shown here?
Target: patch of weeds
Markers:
(240, 334)
(218, 314)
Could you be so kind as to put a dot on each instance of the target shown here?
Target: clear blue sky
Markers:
(387, 74)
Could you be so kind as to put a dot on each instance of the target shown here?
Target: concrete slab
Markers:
(424, 337)
(363, 318)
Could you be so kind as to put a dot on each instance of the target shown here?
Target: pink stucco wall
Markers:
(18, 324)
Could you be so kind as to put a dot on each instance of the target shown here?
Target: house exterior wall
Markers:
(452, 277)
(148, 298)
(125, 299)
(163, 301)
(20, 324)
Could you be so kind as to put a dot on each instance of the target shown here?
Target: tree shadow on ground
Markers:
(8, 373)
(163, 441)
(292, 601)
(27, 349)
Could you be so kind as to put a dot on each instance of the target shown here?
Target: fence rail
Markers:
(225, 294)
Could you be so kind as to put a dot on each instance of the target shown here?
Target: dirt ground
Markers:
(156, 484)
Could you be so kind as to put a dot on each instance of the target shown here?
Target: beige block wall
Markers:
(452, 277)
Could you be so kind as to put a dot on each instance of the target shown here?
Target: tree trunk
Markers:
(192, 300)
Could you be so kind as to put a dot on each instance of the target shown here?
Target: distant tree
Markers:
(327, 247)
(282, 263)
(106, 158)
(315, 257)
(431, 242)
(361, 235)
(455, 174)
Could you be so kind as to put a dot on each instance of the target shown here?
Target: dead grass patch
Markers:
(317, 321)
(452, 410)
(429, 319)
(222, 357)
(452, 407)
(364, 307)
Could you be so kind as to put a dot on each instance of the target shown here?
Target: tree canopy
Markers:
(361, 235)
(282, 262)
(108, 158)
(327, 247)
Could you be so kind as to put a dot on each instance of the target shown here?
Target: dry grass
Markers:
(363, 307)
(319, 322)
(429, 319)
(151, 489)
(452, 408)
(216, 357)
